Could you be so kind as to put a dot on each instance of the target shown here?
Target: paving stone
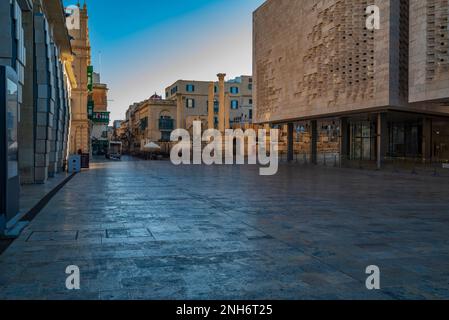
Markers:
(150, 230)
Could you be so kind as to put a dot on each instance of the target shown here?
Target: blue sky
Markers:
(142, 46)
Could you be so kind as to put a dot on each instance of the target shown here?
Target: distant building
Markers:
(100, 116)
(117, 124)
(99, 94)
(357, 95)
(123, 134)
(152, 120)
(193, 98)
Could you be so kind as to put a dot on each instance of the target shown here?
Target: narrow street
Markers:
(150, 230)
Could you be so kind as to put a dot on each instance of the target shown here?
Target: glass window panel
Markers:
(11, 127)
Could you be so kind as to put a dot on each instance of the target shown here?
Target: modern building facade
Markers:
(353, 93)
(36, 45)
(194, 97)
(40, 51)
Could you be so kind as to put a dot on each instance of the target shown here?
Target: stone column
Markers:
(382, 139)
(211, 112)
(221, 101)
(180, 112)
(227, 115)
(314, 142)
(290, 143)
(344, 140)
(427, 140)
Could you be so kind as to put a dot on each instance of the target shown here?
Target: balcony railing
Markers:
(166, 124)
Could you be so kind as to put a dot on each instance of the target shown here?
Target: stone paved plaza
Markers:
(149, 230)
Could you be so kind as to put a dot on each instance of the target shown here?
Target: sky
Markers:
(142, 46)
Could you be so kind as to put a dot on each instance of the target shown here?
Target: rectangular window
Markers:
(234, 90)
(234, 104)
(190, 103)
(405, 139)
(174, 90)
(251, 101)
(250, 86)
(190, 88)
(216, 106)
(250, 114)
(166, 124)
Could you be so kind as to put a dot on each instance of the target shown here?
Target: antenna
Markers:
(99, 61)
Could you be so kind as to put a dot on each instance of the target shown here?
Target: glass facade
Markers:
(405, 139)
(363, 140)
(12, 114)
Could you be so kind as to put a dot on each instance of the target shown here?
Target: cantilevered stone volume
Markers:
(376, 94)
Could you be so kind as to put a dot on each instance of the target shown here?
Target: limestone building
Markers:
(80, 125)
(193, 98)
(351, 92)
(100, 116)
(152, 120)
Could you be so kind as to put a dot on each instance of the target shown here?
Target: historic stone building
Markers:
(100, 116)
(353, 93)
(152, 120)
(201, 100)
(80, 125)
